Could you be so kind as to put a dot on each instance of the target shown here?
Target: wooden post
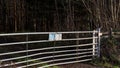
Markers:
(110, 33)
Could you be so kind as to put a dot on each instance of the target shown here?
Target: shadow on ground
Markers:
(78, 65)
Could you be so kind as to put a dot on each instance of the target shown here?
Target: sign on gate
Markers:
(55, 36)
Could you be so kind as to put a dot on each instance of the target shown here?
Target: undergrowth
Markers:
(110, 54)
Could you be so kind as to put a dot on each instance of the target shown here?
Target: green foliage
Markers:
(116, 67)
(36, 61)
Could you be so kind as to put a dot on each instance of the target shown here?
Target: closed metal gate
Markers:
(45, 49)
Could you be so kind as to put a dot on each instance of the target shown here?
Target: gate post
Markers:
(94, 41)
(110, 33)
(98, 42)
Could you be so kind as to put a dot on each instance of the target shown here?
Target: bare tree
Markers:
(105, 13)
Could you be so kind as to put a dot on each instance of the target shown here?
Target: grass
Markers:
(31, 62)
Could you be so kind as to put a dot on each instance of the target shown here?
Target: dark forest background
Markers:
(58, 15)
(61, 15)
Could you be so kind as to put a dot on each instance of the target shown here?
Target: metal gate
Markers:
(45, 49)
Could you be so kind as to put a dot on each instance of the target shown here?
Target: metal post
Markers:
(99, 34)
(94, 43)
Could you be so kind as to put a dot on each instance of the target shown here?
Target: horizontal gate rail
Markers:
(42, 53)
(56, 60)
(34, 33)
(65, 63)
(49, 55)
(46, 49)
(28, 42)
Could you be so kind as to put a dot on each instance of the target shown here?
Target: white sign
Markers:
(51, 36)
(58, 37)
(55, 36)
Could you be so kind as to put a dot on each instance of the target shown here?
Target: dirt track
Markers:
(78, 65)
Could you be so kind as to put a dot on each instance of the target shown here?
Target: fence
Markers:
(56, 49)
(111, 34)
